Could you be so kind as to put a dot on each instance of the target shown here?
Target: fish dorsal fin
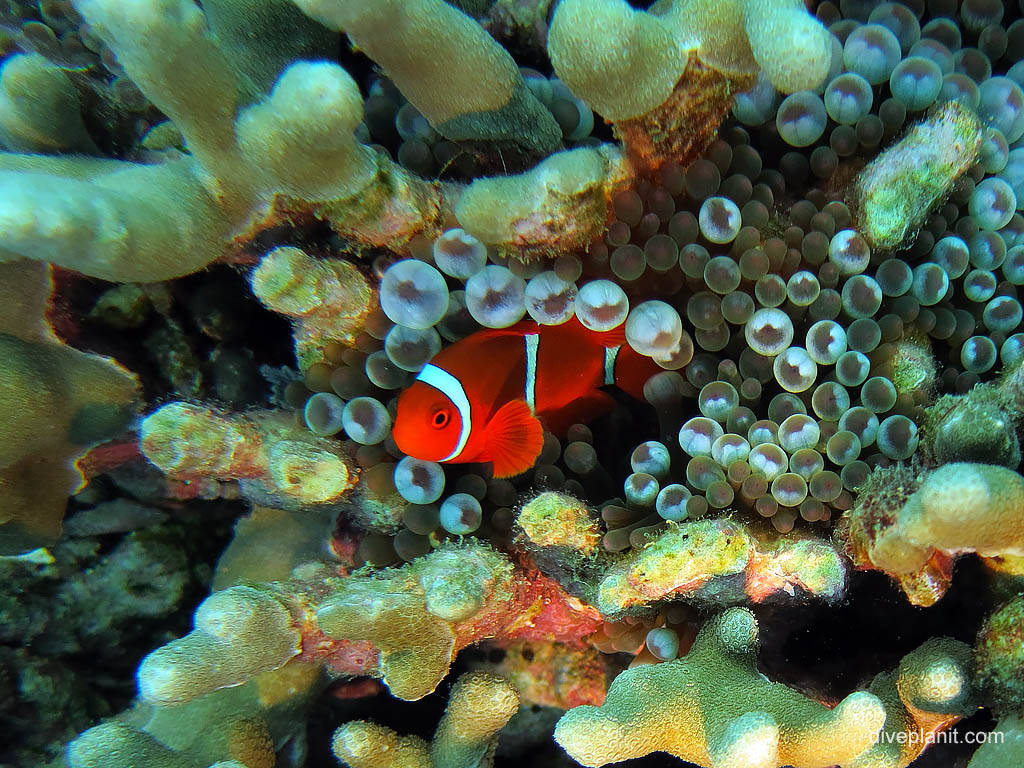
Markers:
(522, 328)
(616, 337)
(514, 439)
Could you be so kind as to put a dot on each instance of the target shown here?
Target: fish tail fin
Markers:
(514, 439)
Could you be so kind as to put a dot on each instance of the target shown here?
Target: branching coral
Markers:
(243, 724)
(625, 74)
(41, 108)
(186, 716)
(416, 634)
(666, 77)
(56, 402)
(718, 562)
(712, 707)
(559, 206)
(327, 299)
(264, 36)
(930, 690)
(116, 220)
(799, 360)
(275, 460)
(297, 142)
(239, 633)
(916, 531)
(404, 625)
(460, 79)
(478, 707)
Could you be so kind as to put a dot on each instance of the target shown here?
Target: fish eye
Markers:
(439, 419)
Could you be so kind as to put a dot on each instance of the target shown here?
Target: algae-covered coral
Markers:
(575, 380)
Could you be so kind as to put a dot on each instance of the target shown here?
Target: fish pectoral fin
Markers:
(514, 439)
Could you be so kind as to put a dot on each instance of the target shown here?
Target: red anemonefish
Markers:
(489, 396)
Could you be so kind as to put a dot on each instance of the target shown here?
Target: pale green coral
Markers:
(408, 613)
(720, 562)
(625, 63)
(122, 221)
(109, 219)
(39, 108)
(239, 633)
(558, 206)
(712, 707)
(1005, 746)
(931, 689)
(452, 71)
(277, 462)
(958, 508)
(898, 189)
(264, 36)
(55, 402)
(242, 723)
(479, 706)
(328, 300)
(626, 69)
(409, 616)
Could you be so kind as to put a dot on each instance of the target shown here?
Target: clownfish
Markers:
(489, 396)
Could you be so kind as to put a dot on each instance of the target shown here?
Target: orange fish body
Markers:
(489, 396)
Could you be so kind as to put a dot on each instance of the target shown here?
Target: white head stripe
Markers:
(450, 387)
(532, 342)
(610, 353)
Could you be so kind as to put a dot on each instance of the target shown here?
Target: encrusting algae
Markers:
(629, 378)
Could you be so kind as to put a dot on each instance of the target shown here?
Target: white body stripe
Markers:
(532, 343)
(450, 387)
(610, 353)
